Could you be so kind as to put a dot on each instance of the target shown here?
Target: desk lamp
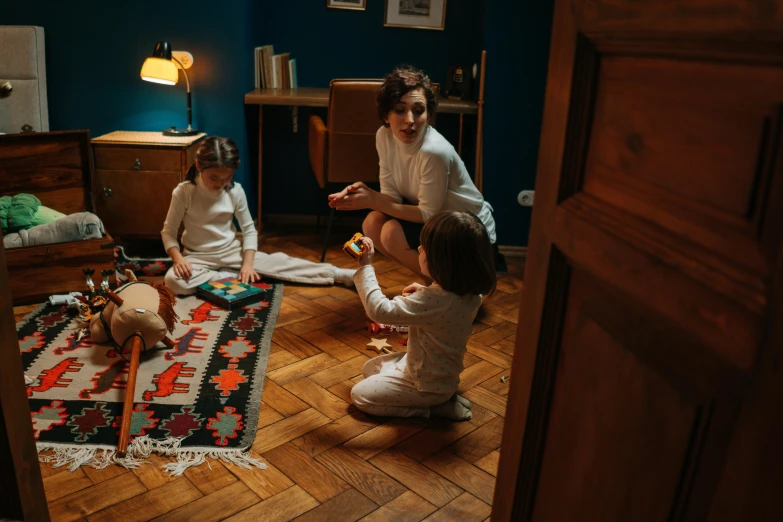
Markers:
(162, 67)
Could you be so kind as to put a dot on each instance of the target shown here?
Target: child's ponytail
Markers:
(215, 153)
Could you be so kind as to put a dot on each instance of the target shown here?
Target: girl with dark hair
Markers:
(206, 202)
(420, 172)
(456, 254)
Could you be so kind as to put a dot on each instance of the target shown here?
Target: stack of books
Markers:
(274, 71)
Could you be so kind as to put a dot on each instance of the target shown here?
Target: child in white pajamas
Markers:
(456, 254)
(207, 202)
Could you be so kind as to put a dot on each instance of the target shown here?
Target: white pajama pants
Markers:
(387, 390)
(208, 267)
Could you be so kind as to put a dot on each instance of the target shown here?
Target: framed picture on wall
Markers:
(346, 4)
(416, 14)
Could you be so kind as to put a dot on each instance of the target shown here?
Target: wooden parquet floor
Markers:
(327, 461)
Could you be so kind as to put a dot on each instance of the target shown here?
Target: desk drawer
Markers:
(134, 203)
(135, 159)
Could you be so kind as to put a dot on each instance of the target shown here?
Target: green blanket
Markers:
(24, 211)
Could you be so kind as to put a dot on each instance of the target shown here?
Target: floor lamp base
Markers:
(173, 131)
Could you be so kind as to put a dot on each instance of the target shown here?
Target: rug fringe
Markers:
(187, 459)
(77, 457)
(139, 450)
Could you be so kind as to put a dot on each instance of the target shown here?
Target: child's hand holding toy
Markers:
(369, 251)
(360, 248)
(412, 288)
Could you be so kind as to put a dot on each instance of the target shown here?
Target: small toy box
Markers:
(230, 293)
(353, 247)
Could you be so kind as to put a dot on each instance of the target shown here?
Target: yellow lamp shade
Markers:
(159, 70)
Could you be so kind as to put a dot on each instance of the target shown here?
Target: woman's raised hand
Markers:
(355, 196)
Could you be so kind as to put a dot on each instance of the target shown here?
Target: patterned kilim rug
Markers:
(200, 399)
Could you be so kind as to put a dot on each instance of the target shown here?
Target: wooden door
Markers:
(646, 380)
(21, 488)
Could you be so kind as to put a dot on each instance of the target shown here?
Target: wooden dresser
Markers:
(135, 173)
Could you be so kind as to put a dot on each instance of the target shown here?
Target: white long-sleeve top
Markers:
(439, 327)
(208, 218)
(429, 174)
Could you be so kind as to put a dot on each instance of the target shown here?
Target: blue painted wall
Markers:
(517, 43)
(95, 51)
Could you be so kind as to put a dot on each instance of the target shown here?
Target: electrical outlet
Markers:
(525, 198)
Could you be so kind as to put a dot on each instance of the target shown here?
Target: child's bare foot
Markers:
(452, 409)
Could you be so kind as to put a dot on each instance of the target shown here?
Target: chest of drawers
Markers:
(135, 173)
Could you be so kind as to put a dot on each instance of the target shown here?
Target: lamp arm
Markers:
(187, 80)
(187, 84)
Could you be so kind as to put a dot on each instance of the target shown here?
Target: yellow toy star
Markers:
(380, 345)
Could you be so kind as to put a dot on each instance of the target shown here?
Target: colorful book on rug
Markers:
(230, 293)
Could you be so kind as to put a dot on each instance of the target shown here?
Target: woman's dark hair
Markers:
(459, 253)
(400, 82)
(215, 153)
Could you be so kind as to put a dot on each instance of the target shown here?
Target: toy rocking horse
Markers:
(136, 316)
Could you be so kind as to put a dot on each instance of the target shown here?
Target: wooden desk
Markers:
(319, 97)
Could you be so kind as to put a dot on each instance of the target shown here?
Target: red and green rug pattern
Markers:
(199, 399)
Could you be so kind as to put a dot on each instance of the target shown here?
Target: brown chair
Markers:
(343, 149)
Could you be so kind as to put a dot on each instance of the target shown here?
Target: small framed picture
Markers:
(346, 4)
(416, 14)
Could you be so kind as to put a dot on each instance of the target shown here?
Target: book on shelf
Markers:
(256, 71)
(274, 71)
(292, 73)
(268, 52)
(280, 71)
(263, 66)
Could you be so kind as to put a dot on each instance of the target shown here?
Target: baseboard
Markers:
(513, 251)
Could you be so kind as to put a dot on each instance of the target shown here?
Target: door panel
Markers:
(647, 378)
(638, 259)
(684, 144)
(134, 203)
(634, 406)
(631, 419)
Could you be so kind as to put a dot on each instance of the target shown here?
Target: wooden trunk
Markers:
(647, 377)
(57, 168)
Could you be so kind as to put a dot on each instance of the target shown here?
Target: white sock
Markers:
(462, 400)
(453, 410)
(344, 276)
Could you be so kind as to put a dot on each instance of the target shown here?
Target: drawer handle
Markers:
(137, 164)
(107, 191)
(46, 257)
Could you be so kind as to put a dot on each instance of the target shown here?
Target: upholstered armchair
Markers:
(342, 150)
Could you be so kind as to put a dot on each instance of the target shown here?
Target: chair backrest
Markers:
(352, 122)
